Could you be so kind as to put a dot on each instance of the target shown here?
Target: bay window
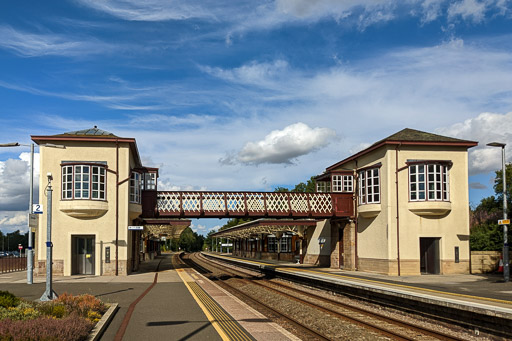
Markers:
(429, 182)
(369, 186)
(135, 185)
(83, 181)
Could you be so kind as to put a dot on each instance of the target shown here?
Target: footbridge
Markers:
(212, 204)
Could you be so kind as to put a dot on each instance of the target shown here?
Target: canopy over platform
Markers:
(170, 228)
(266, 226)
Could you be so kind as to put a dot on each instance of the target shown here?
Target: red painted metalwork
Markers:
(209, 204)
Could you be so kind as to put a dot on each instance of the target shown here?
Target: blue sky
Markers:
(250, 95)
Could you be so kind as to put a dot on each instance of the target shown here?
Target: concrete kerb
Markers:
(103, 323)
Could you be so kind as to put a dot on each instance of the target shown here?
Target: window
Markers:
(429, 182)
(149, 182)
(272, 244)
(342, 183)
(369, 186)
(286, 243)
(135, 181)
(323, 186)
(77, 182)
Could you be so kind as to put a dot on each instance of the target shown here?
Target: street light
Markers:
(506, 270)
(30, 249)
(49, 294)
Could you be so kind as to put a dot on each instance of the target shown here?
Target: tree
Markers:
(498, 186)
(486, 234)
(308, 187)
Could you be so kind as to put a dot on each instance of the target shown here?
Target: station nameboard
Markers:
(135, 228)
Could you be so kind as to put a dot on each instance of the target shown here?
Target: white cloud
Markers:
(48, 44)
(283, 146)
(152, 10)
(15, 182)
(11, 221)
(255, 73)
(242, 16)
(473, 10)
(485, 128)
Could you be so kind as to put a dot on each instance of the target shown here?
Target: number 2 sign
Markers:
(37, 208)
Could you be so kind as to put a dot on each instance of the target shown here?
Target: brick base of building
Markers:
(409, 267)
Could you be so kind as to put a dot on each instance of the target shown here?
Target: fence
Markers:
(13, 263)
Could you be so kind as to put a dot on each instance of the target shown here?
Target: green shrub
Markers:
(53, 309)
(24, 311)
(8, 300)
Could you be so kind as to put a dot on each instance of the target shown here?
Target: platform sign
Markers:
(504, 222)
(135, 228)
(33, 220)
(20, 247)
(37, 208)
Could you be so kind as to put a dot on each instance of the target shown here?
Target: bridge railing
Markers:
(251, 204)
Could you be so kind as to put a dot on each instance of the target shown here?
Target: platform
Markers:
(163, 301)
(485, 297)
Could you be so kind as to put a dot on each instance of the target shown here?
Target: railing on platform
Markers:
(248, 204)
(13, 263)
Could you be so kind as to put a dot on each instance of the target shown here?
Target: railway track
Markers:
(383, 324)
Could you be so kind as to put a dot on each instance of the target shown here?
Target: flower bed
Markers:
(66, 318)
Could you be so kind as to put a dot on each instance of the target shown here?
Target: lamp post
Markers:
(506, 270)
(49, 294)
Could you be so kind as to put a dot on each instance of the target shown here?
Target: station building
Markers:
(410, 214)
(99, 185)
(399, 207)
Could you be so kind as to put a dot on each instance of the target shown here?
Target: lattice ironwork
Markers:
(214, 202)
(278, 202)
(320, 202)
(299, 202)
(254, 204)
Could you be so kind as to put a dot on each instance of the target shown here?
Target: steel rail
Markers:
(288, 318)
(380, 317)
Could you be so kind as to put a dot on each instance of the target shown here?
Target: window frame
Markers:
(71, 185)
(286, 241)
(436, 181)
(135, 188)
(363, 180)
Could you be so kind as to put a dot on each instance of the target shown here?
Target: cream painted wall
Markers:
(102, 227)
(452, 227)
(322, 230)
(377, 223)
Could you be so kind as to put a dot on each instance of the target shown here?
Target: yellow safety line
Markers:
(222, 315)
(379, 282)
(399, 285)
(224, 325)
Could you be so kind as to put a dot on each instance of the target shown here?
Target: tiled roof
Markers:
(408, 134)
(90, 132)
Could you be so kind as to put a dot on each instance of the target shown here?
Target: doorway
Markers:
(82, 255)
(429, 256)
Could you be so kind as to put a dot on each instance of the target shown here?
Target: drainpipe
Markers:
(356, 196)
(117, 207)
(397, 209)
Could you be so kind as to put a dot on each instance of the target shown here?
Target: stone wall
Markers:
(485, 261)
